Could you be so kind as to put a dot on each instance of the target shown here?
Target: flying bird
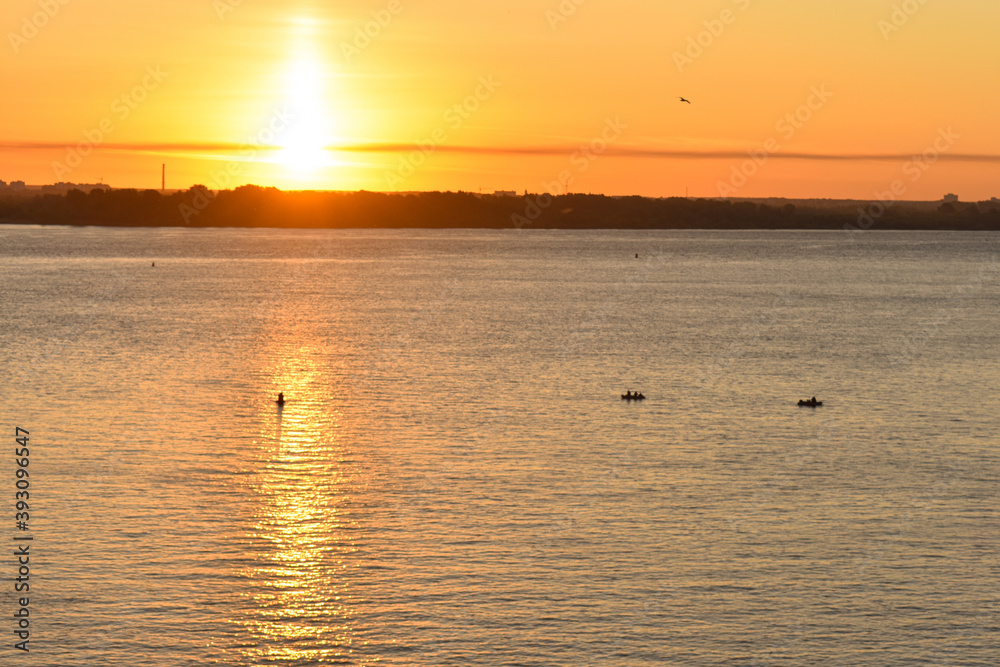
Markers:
(684, 100)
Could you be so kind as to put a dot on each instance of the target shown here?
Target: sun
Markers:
(303, 144)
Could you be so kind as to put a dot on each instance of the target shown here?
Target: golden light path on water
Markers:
(297, 608)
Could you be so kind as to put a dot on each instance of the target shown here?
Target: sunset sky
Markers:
(833, 99)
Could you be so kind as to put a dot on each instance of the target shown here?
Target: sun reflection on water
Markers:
(298, 608)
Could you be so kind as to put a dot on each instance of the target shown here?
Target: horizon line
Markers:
(505, 193)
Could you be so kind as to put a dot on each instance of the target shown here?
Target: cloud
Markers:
(211, 150)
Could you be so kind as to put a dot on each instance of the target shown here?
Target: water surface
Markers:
(455, 480)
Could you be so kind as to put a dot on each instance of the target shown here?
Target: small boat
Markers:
(281, 399)
(811, 403)
(633, 397)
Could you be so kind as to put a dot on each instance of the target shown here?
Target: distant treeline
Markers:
(253, 206)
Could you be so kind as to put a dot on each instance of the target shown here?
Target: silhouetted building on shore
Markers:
(14, 187)
(62, 188)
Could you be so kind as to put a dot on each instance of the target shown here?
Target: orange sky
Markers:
(834, 99)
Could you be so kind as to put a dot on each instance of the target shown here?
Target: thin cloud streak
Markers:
(196, 149)
(624, 151)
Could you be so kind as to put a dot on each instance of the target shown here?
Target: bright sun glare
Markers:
(304, 141)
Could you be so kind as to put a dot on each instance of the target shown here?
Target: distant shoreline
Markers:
(253, 207)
